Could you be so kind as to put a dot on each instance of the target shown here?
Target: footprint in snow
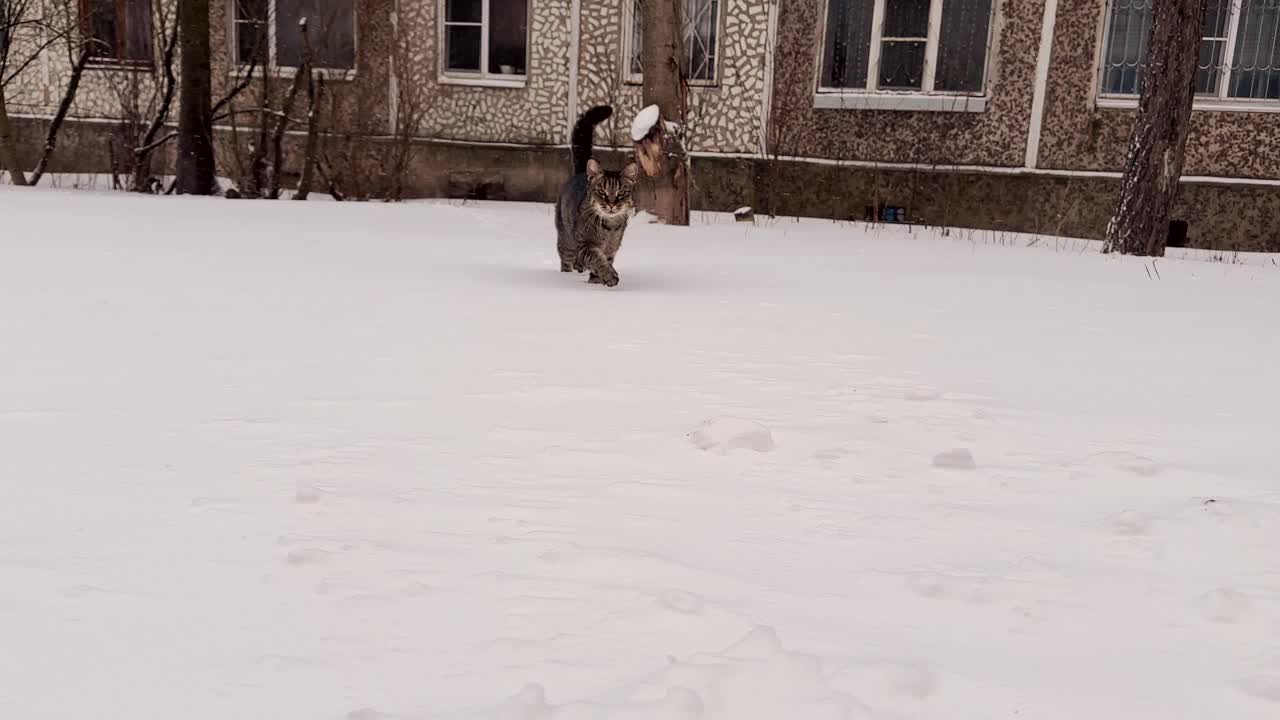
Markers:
(1131, 524)
(957, 459)
(305, 556)
(928, 586)
(529, 703)
(829, 457)
(306, 496)
(1224, 605)
(681, 601)
(913, 681)
(726, 434)
(1263, 687)
(1130, 462)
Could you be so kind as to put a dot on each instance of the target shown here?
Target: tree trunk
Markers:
(1153, 167)
(663, 36)
(254, 185)
(313, 129)
(282, 124)
(9, 159)
(196, 164)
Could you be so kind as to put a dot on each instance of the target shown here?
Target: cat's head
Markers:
(611, 191)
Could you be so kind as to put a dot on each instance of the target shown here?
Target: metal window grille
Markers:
(701, 40)
(1239, 49)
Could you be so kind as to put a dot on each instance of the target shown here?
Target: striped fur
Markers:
(594, 207)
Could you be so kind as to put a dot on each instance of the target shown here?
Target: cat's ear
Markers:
(593, 169)
(630, 173)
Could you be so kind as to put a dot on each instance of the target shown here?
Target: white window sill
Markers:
(901, 102)
(638, 81)
(1201, 104)
(330, 74)
(490, 81)
(113, 65)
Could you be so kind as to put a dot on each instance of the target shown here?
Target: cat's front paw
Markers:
(609, 277)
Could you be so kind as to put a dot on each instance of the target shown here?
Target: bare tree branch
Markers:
(141, 154)
(282, 121)
(68, 97)
(143, 150)
(309, 151)
(241, 85)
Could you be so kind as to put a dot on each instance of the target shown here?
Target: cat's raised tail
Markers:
(581, 138)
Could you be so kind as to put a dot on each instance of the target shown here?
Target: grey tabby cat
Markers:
(594, 206)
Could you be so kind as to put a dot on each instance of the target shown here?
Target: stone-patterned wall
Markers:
(1078, 135)
(534, 114)
(724, 117)
(997, 136)
(1221, 217)
(105, 91)
(28, 93)
(113, 92)
(355, 103)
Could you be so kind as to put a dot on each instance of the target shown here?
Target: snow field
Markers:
(367, 461)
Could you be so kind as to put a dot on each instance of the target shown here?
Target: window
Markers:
(701, 41)
(1239, 49)
(486, 39)
(897, 46)
(270, 30)
(118, 31)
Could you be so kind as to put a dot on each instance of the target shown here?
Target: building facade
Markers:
(996, 114)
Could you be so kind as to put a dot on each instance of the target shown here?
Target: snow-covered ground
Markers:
(326, 461)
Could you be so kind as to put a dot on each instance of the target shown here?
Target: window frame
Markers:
(481, 78)
(628, 46)
(287, 71)
(927, 97)
(1219, 101)
(85, 8)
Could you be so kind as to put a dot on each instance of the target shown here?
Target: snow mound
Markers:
(726, 434)
(957, 459)
(644, 121)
